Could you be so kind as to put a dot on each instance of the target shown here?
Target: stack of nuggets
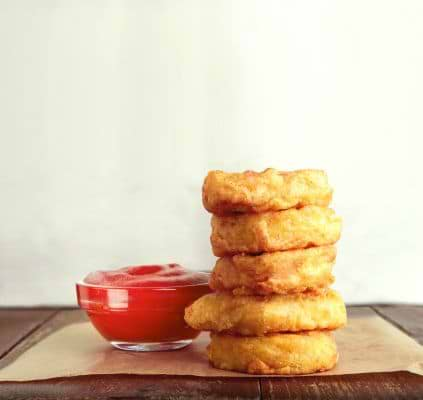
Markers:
(273, 310)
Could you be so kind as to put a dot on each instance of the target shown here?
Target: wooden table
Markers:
(20, 328)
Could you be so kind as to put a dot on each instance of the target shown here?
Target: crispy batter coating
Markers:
(282, 272)
(259, 315)
(285, 354)
(270, 190)
(274, 231)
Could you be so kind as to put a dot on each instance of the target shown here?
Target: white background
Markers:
(111, 113)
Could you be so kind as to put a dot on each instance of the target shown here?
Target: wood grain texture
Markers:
(17, 324)
(27, 338)
(408, 318)
(398, 385)
(120, 386)
(134, 387)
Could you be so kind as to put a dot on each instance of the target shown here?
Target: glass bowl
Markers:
(141, 318)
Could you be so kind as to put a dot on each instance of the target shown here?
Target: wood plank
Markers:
(17, 324)
(134, 387)
(408, 318)
(397, 385)
(120, 386)
(55, 320)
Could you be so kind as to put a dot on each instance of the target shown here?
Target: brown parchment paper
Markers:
(367, 344)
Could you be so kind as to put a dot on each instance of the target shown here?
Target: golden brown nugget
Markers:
(270, 190)
(259, 315)
(274, 231)
(282, 272)
(285, 354)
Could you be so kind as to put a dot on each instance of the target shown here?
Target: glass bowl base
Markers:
(154, 346)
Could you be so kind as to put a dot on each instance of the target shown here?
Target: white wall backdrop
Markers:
(111, 113)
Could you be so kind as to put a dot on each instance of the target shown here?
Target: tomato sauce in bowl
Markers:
(141, 308)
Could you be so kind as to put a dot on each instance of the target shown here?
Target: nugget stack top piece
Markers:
(270, 190)
(272, 311)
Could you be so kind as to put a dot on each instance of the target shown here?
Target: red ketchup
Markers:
(142, 308)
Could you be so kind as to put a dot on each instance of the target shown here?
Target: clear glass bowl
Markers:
(141, 318)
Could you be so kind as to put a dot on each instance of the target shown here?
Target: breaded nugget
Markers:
(283, 272)
(270, 190)
(285, 354)
(259, 315)
(274, 231)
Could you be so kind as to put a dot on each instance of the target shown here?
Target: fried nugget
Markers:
(259, 315)
(283, 272)
(270, 190)
(274, 231)
(285, 354)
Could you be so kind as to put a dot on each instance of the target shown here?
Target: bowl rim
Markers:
(171, 287)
